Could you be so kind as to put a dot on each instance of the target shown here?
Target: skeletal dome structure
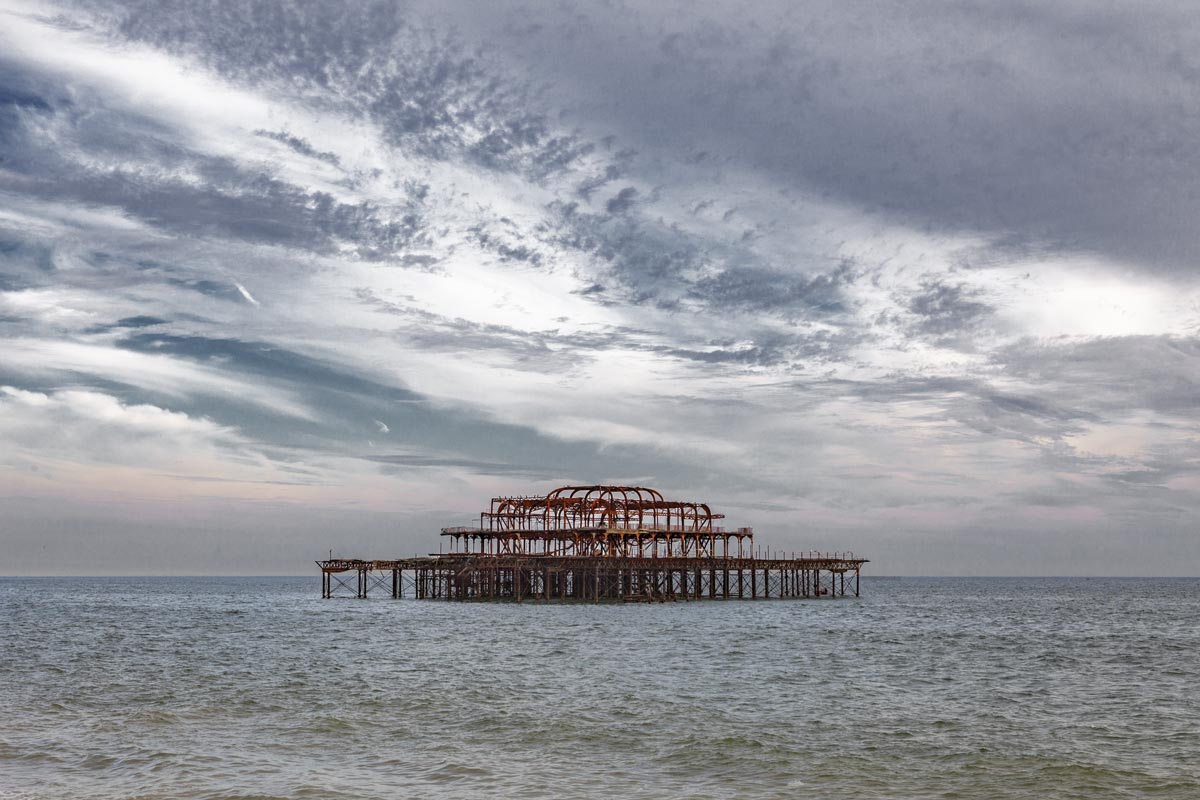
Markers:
(598, 543)
(597, 507)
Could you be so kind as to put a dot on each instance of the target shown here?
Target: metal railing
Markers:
(608, 529)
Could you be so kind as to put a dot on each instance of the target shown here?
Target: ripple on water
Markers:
(237, 688)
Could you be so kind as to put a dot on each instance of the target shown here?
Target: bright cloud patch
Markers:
(88, 427)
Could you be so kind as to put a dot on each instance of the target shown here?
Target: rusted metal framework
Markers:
(596, 508)
(594, 544)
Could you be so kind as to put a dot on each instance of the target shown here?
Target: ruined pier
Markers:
(597, 544)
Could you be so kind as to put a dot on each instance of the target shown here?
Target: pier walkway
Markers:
(597, 544)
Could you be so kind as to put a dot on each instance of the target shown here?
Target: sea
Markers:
(920, 688)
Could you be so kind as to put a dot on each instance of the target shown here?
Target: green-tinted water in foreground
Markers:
(923, 688)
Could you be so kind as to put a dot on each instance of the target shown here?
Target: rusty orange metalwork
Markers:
(599, 543)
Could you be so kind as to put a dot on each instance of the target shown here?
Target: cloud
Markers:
(300, 145)
(1117, 375)
(93, 427)
(716, 252)
(622, 201)
(414, 461)
(1062, 125)
(157, 373)
(948, 309)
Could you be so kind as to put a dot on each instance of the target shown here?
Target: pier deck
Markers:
(593, 578)
(597, 544)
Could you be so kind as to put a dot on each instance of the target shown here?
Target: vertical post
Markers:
(856, 577)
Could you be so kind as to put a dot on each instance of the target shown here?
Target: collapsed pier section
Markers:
(597, 544)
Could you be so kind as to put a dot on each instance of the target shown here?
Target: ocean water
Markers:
(923, 688)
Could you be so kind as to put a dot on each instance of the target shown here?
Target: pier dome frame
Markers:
(597, 543)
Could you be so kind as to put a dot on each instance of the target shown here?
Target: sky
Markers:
(914, 280)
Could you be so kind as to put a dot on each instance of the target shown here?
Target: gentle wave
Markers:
(923, 688)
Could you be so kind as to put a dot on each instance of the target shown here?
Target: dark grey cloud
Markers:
(947, 308)
(763, 289)
(442, 97)
(24, 254)
(950, 313)
(1071, 389)
(1113, 375)
(140, 321)
(590, 184)
(236, 204)
(645, 260)
(300, 145)
(1073, 124)
(16, 99)
(976, 403)
(10, 283)
(508, 247)
(621, 201)
(179, 189)
(1138, 497)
